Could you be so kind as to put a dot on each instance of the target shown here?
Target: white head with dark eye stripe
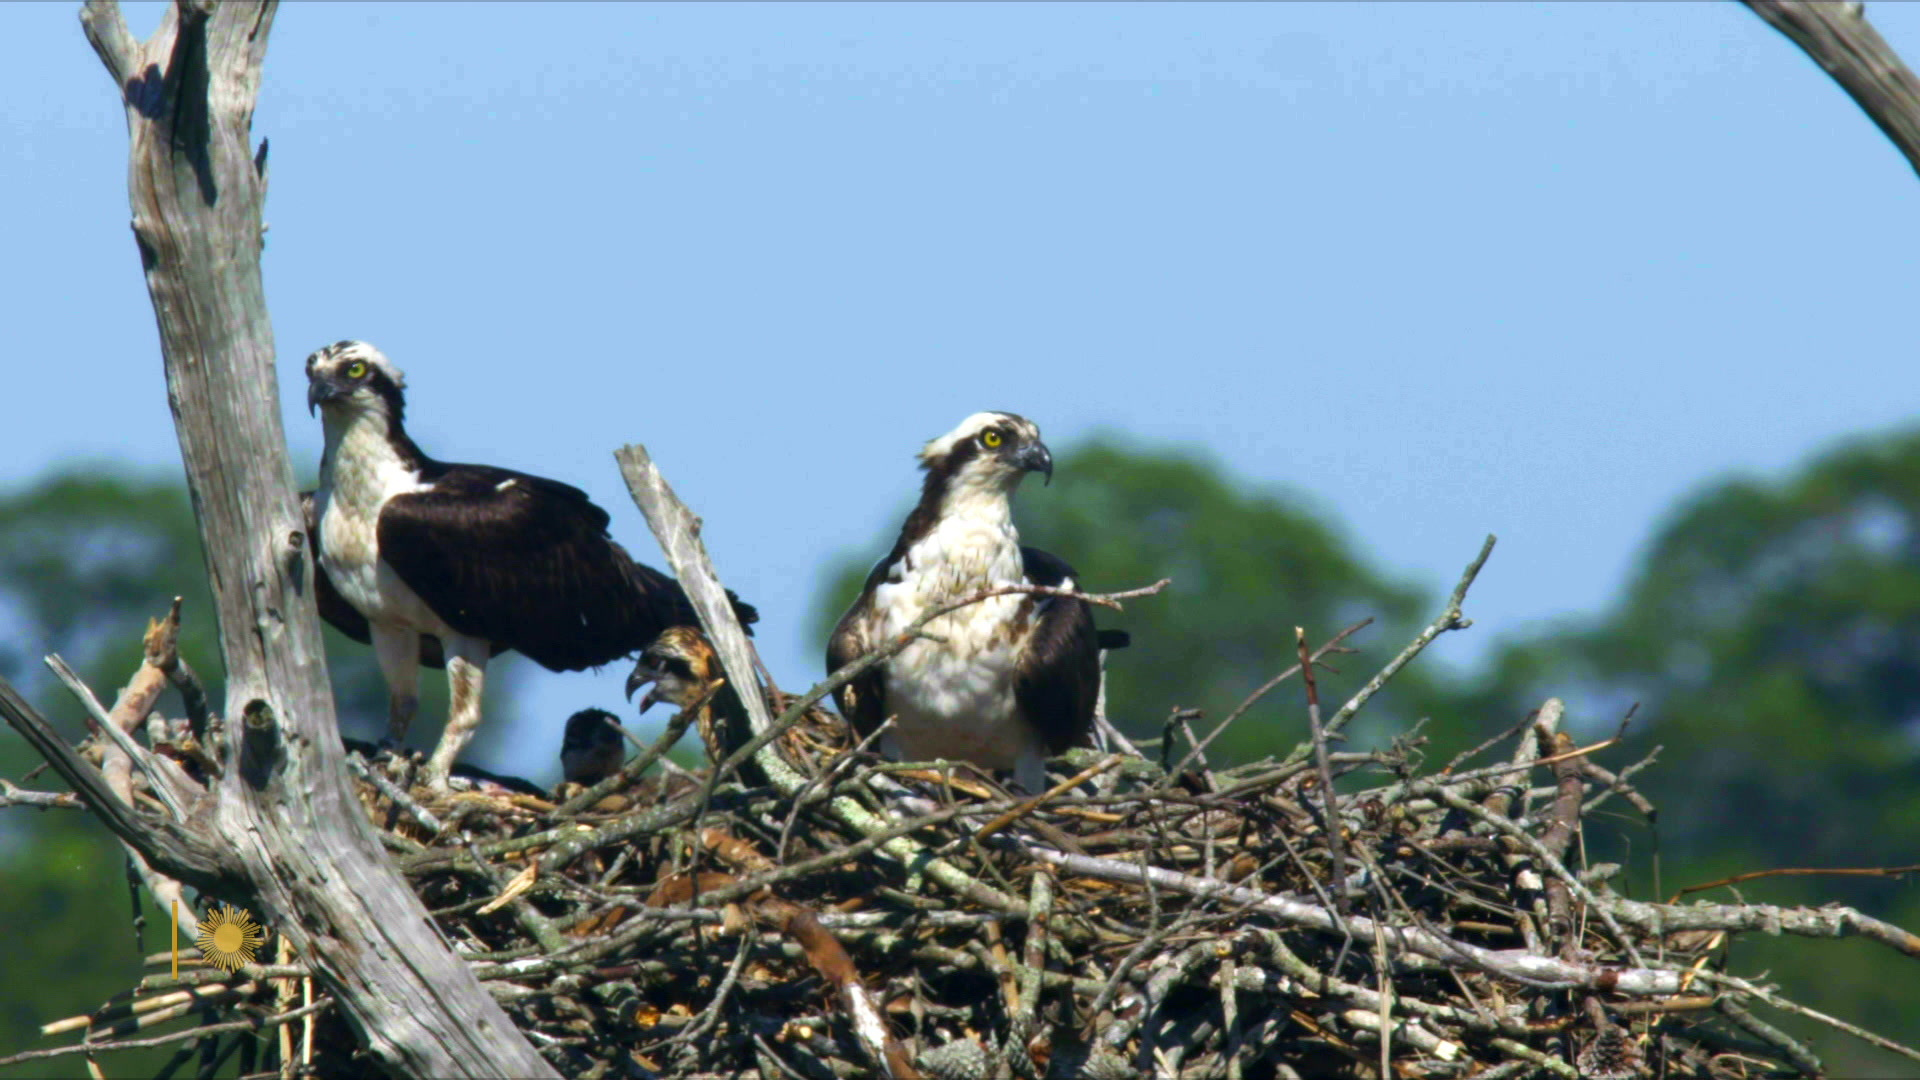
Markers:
(353, 376)
(989, 453)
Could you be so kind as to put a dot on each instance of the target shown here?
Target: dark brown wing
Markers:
(1058, 676)
(864, 700)
(526, 562)
(343, 616)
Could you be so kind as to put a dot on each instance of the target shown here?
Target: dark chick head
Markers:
(593, 747)
(680, 664)
(349, 377)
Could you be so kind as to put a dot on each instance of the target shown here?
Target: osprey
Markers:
(592, 748)
(1004, 683)
(686, 672)
(479, 558)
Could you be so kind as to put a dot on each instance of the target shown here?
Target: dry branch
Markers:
(278, 829)
(1838, 37)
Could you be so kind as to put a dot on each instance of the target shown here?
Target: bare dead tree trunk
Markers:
(1839, 39)
(280, 829)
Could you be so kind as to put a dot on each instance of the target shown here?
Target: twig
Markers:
(1449, 619)
(392, 791)
(1548, 861)
(161, 785)
(1796, 1052)
(1519, 965)
(15, 796)
(1617, 784)
(1039, 917)
(869, 842)
(249, 1024)
(709, 1017)
(1831, 921)
(1813, 871)
(164, 653)
(826, 780)
(120, 1010)
(1336, 844)
(1332, 645)
(158, 844)
(1562, 822)
(1230, 1013)
(1784, 1005)
(1028, 806)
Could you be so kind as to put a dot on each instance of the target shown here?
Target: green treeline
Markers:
(1770, 638)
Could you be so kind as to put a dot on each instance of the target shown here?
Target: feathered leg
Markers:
(398, 652)
(466, 679)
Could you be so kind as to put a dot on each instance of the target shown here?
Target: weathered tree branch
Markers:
(281, 828)
(1517, 964)
(1839, 39)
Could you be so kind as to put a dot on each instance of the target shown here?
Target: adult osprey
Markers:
(1009, 681)
(481, 559)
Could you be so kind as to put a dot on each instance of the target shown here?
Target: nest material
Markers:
(807, 910)
(1130, 924)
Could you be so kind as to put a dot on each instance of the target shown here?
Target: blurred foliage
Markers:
(1247, 567)
(1771, 638)
(72, 947)
(88, 557)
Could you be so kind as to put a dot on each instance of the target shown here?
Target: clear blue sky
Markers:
(1444, 270)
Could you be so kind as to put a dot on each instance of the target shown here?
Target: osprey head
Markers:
(351, 375)
(993, 450)
(593, 747)
(680, 664)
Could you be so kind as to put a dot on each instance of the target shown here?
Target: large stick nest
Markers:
(1148, 916)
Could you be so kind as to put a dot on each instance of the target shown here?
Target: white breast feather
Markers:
(954, 698)
(358, 474)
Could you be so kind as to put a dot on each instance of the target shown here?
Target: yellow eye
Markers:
(357, 369)
(990, 438)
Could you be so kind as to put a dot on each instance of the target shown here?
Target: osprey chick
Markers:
(592, 747)
(686, 673)
(1011, 680)
(480, 558)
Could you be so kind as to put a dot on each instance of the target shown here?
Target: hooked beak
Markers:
(642, 675)
(319, 392)
(1035, 457)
